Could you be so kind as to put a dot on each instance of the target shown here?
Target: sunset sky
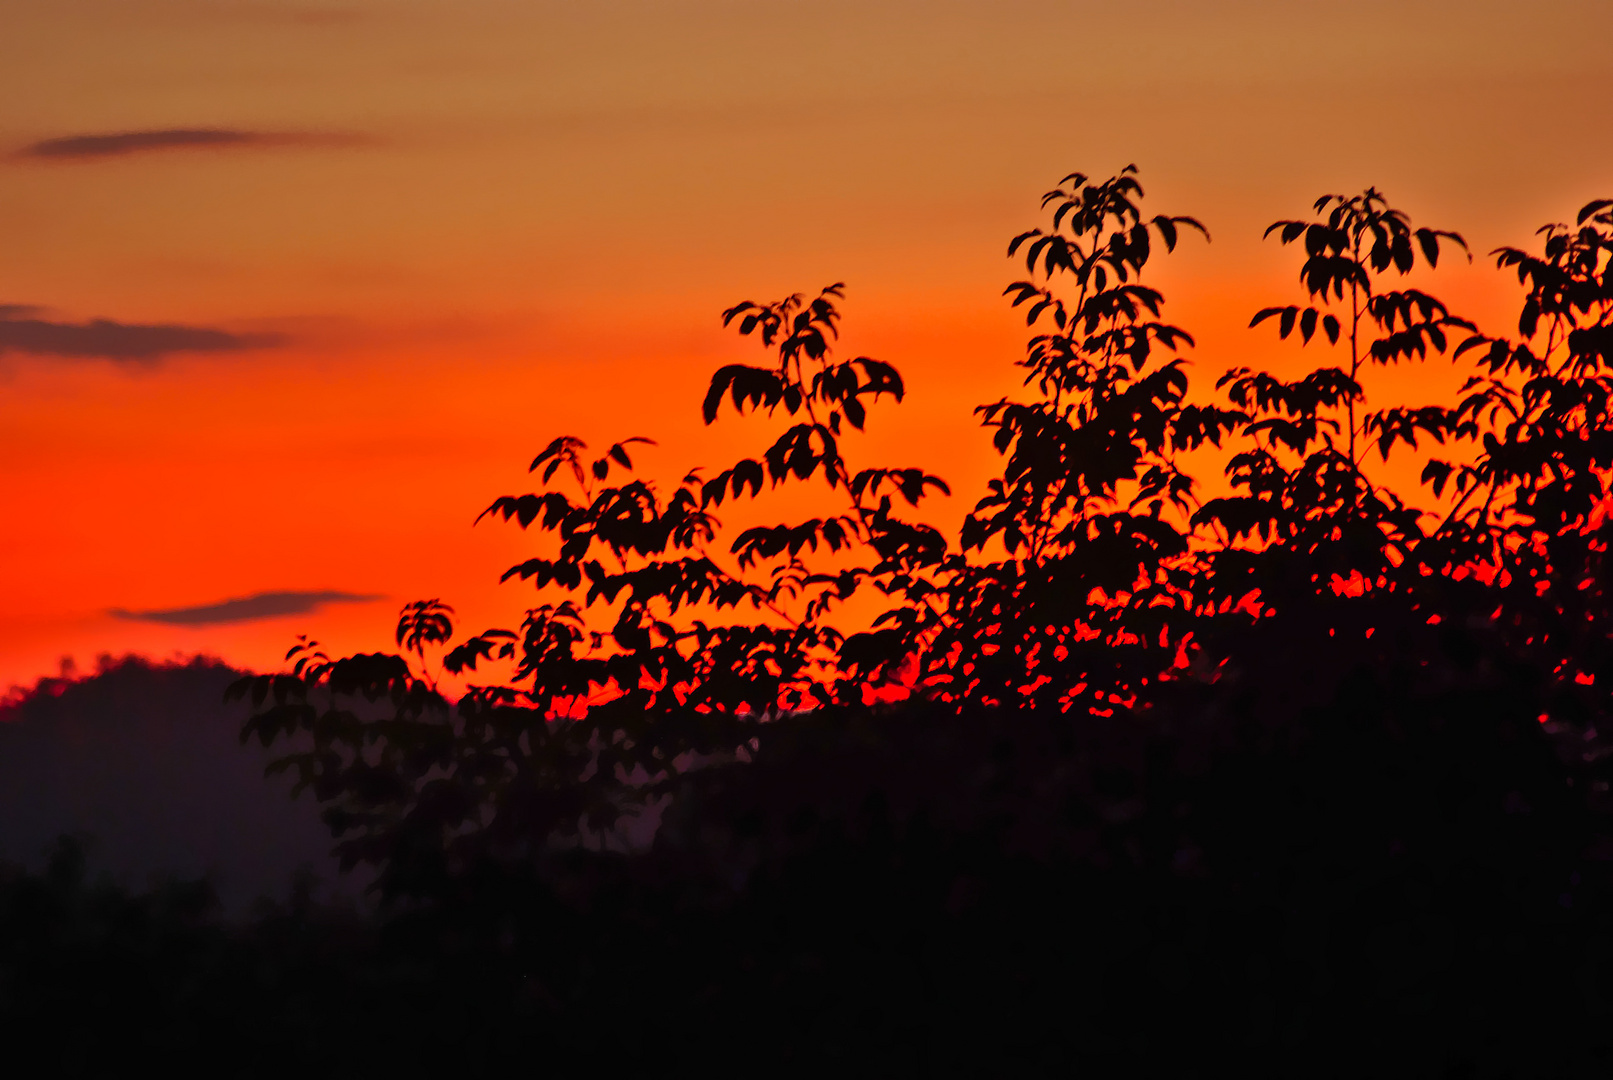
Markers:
(358, 261)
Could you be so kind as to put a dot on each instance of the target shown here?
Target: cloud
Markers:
(265, 605)
(108, 340)
(125, 143)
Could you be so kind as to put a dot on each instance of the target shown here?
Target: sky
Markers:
(289, 292)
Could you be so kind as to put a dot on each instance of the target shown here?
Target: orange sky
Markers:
(470, 226)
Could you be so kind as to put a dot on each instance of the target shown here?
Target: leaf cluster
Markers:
(1090, 581)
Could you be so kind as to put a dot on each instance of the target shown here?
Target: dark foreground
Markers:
(1385, 886)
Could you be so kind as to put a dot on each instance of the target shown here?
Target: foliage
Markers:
(1088, 577)
(1303, 703)
(1087, 605)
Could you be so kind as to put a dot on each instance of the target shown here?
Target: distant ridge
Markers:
(144, 759)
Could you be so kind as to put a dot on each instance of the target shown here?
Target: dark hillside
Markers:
(144, 761)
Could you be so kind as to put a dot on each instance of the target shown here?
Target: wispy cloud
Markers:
(22, 332)
(125, 143)
(265, 605)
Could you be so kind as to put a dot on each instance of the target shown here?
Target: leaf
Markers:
(1437, 473)
(1167, 231)
(618, 451)
(854, 412)
(1591, 209)
(746, 385)
(1430, 245)
(1291, 230)
(1307, 324)
(481, 647)
(424, 622)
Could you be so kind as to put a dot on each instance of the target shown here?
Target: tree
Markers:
(1090, 602)
(1530, 518)
(1232, 778)
(1307, 518)
(1090, 580)
(593, 725)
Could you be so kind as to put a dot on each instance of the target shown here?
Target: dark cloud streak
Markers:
(125, 143)
(266, 605)
(105, 339)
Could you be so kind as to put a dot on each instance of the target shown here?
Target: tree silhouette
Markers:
(1182, 780)
(1087, 605)
(1304, 480)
